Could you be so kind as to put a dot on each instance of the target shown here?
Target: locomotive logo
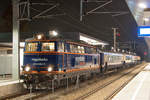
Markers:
(39, 59)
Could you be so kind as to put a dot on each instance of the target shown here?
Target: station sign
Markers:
(143, 31)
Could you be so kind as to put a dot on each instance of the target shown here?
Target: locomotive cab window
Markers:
(48, 46)
(31, 47)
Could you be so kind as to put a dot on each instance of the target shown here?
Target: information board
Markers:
(143, 31)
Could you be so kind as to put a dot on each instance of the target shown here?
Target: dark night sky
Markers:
(5, 15)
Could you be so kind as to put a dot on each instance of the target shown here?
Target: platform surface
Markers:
(9, 82)
(9, 87)
(138, 88)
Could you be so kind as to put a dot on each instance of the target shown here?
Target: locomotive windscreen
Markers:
(31, 46)
(48, 46)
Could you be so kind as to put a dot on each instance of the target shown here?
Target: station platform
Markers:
(9, 87)
(9, 82)
(138, 88)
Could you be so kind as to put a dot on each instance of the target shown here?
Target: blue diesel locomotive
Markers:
(49, 59)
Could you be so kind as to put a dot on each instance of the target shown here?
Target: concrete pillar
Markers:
(16, 54)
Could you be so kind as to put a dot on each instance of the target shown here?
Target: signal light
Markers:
(145, 53)
(118, 34)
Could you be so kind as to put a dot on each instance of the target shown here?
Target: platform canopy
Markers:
(140, 10)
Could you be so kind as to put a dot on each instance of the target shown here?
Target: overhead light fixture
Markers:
(146, 19)
(142, 5)
(39, 37)
(53, 33)
(91, 41)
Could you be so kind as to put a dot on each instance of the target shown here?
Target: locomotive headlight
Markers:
(50, 68)
(27, 68)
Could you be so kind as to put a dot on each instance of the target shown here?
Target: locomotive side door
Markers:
(101, 61)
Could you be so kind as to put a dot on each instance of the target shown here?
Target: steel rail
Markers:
(13, 95)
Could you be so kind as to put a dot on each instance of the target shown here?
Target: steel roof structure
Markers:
(99, 17)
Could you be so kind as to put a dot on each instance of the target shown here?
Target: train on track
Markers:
(57, 59)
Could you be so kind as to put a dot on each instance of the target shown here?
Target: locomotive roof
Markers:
(76, 42)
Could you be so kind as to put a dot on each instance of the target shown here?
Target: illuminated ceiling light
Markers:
(39, 37)
(142, 5)
(22, 44)
(53, 33)
(91, 41)
(146, 19)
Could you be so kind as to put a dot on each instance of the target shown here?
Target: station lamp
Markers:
(146, 19)
(39, 36)
(142, 5)
(53, 33)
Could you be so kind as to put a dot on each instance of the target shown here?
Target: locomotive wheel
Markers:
(101, 70)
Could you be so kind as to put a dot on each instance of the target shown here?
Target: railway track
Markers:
(13, 95)
(36, 95)
(110, 82)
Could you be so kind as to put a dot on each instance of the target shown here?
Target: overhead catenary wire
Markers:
(87, 26)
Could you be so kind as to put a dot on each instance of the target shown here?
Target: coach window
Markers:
(93, 50)
(67, 49)
(88, 50)
(60, 47)
(48, 46)
(79, 49)
(82, 50)
(31, 46)
(75, 49)
(71, 46)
